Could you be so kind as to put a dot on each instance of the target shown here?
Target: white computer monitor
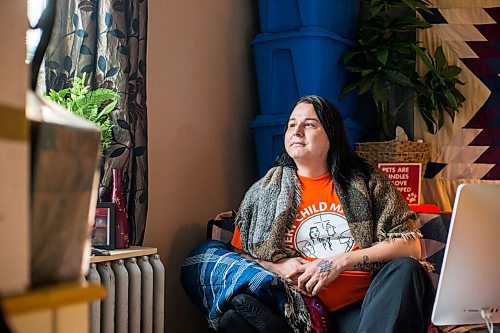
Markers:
(470, 274)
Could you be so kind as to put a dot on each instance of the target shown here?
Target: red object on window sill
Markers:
(425, 208)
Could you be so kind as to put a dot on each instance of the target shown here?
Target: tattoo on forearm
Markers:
(368, 265)
(325, 266)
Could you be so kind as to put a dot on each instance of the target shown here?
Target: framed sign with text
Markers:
(406, 177)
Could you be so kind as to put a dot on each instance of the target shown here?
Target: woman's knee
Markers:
(407, 264)
(402, 277)
(405, 268)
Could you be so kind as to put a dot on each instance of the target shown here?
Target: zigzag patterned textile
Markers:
(467, 151)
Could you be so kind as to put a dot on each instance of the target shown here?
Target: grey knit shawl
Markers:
(374, 209)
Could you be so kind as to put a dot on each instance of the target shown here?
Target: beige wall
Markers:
(13, 71)
(14, 150)
(201, 100)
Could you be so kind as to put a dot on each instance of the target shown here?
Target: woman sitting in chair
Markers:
(332, 226)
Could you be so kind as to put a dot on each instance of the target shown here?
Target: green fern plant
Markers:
(93, 105)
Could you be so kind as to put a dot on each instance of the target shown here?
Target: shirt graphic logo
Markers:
(323, 235)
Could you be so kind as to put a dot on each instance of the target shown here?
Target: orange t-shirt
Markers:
(320, 231)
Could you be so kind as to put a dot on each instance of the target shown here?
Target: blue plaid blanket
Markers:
(212, 274)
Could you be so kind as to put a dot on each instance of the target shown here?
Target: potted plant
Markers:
(64, 174)
(436, 92)
(385, 58)
(93, 105)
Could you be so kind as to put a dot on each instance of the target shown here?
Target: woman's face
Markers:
(314, 232)
(305, 139)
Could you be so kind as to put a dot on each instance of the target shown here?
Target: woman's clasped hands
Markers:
(312, 276)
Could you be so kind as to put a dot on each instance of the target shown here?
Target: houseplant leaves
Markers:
(93, 105)
(385, 58)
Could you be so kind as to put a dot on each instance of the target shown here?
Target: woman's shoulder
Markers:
(369, 175)
(270, 179)
(371, 172)
(276, 175)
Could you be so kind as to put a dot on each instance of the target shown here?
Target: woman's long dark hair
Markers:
(342, 161)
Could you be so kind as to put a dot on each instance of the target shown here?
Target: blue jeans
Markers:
(399, 299)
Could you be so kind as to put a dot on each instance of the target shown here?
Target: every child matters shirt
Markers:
(320, 231)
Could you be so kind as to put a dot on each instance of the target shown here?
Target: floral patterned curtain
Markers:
(106, 41)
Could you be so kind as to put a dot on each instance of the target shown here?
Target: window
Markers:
(35, 10)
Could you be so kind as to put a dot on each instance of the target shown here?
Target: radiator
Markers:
(135, 295)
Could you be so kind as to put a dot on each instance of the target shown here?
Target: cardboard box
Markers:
(65, 176)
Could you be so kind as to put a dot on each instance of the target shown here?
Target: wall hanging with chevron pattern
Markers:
(467, 150)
